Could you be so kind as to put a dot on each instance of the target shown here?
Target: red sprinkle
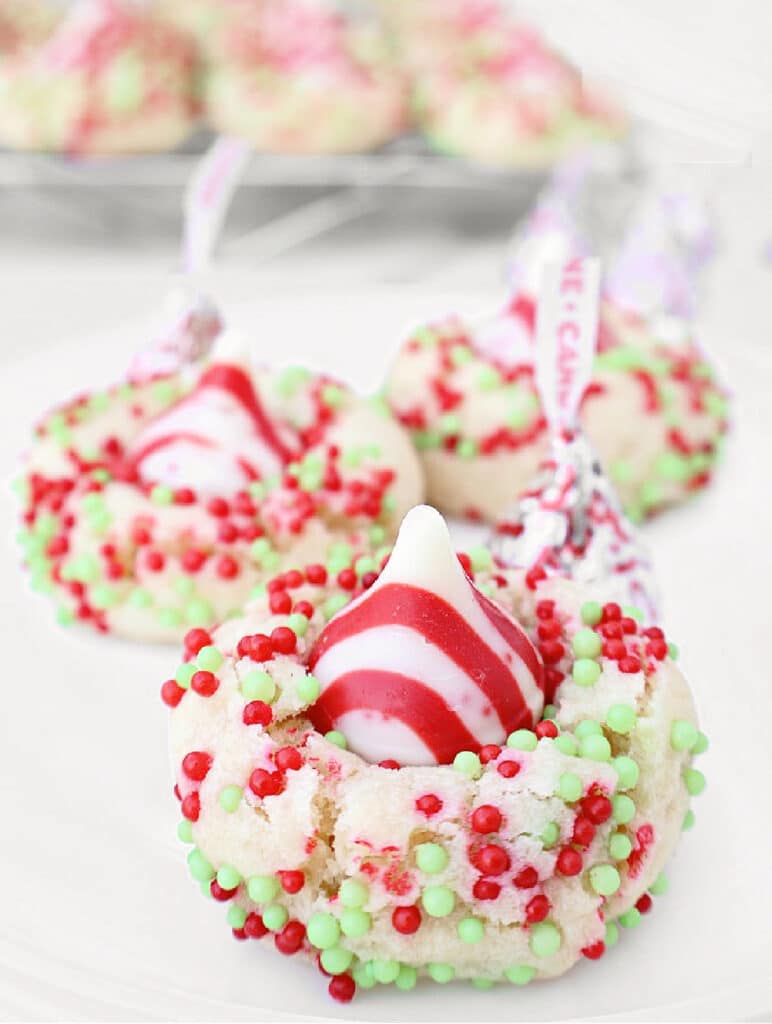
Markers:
(283, 640)
(292, 881)
(171, 693)
(290, 939)
(508, 769)
(595, 951)
(486, 818)
(191, 807)
(428, 804)
(316, 574)
(536, 909)
(569, 862)
(263, 783)
(288, 759)
(492, 860)
(257, 712)
(342, 988)
(254, 927)
(195, 639)
(584, 831)
(280, 602)
(527, 878)
(406, 920)
(196, 765)
(484, 889)
(644, 904)
(204, 683)
(546, 728)
(597, 808)
(489, 752)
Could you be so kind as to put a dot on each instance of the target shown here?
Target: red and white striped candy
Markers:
(423, 665)
(217, 439)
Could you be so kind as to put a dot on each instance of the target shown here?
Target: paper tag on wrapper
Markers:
(570, 522)
(208, 198)
(566, 334)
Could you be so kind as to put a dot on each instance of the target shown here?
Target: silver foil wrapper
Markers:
(571, 523)
(185, 331)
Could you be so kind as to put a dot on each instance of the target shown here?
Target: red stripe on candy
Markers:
(393, 695)
(440, 624)
(167, 439)
(237, 383)
(514, 636)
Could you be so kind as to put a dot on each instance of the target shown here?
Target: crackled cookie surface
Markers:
(296, 77)
(24, 23)
(504, 862)
(489, 88)
(654, 412)
(157, 505)
(108, 79)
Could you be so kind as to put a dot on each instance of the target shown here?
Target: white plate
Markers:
(98, 918)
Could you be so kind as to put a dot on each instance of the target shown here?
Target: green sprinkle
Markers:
(333, 396)
(184, 674)
(355, 922)
(467, 449)
(441, 973)
(377, 534)
(595, 748)
(230, 798)
(64, 616)
(162, 495)
(449, 424)
(550, 835)
(622, 471)
(185, 831)
(520, 974)
(688, 821)
(683, 735)
(566, 744)
(169, 618)
(406, 979)
(164, 391)
(585, 672)
(612, 934)
(619, 846)
(570, 787)
(545, 939)
(198, 611)
(659, 886)
(336, 738)
(695, 781)
(236, 916)
(353, 894)
(431, 858)
(289, 381)
(633, 613)
(483, 983)
(184, 586)
(672, 650)
(631, 918)
(308, 689)
(336, 960)
(438, 900)
(488, 378)
(623, 809)
(385, 971)
(363, 976)
(199, 866)
(275, 916)
(586, 643)
(589, 727)
(258, 685)
(468, 763)
(672, 466)
(209, 659)
(140, 598)
(522, 739)
(621, 718)
(228, 877)
(701, 744)
(604, 879)
(471, 930)
(550, 712)
(333, 604)
(627, 770)
(263, 888)
(591, 613)
(103, 596)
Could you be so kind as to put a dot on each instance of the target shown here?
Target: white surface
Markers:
(98, 918)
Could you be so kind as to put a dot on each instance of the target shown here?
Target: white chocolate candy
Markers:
(219, 438)
(423, 665)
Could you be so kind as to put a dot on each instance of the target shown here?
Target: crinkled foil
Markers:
(571, 524)
(186, 330)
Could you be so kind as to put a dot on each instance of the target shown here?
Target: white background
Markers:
(97, 917)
